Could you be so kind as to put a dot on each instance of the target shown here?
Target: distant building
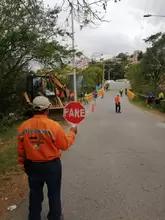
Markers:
(100, 57)
(117, 59)
(82, 63)
(134, 57)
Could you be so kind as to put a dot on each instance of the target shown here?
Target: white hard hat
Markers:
(41, 103)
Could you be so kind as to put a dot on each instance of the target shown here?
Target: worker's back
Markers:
(38, 135)
(39, 142)
(95, 94)
(161, 95)
(117, 99)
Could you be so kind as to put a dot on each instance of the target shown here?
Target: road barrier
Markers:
(90, 96)
(155, 102)
(130, 94)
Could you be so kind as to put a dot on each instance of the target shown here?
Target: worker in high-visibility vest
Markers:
(71, 96)
(117, 104)
(161, 96)
(95, 95)
(62, 96)
(40, 141)
(57, 92)
(102, 93)
(86, 98)
(121, 92)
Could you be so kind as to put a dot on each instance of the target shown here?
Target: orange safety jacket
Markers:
(62, 95)
(40, 139)
(117, 100)
(57, 92)
(72, 95)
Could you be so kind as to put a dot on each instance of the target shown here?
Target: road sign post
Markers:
(74, 112)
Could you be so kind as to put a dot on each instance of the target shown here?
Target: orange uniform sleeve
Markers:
(63, 141)
(20, 149)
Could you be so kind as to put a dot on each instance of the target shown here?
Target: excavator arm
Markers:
(57, 82)
(34, 90)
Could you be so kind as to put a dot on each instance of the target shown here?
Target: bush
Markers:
(162, 106)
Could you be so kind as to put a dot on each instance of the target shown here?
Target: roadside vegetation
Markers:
(148, 75)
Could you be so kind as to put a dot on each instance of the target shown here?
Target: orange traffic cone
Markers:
(93, 107)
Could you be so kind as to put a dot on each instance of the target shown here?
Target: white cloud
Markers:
(125, 31)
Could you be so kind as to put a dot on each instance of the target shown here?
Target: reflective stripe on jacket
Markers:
(40, 139)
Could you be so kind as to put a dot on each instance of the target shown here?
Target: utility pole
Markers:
(74, 57)
(103, 74)
(109, 75)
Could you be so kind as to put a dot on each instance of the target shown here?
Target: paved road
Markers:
(118, 85)
(116, 169)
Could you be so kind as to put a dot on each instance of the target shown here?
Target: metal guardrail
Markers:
(130, 94)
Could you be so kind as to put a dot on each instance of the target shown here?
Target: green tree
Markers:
(92, 76)
(116, 69)
(123, 58)
(153, 62)
(27, 34)
(149, 74)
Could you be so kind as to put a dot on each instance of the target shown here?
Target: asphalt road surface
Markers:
(116, 169)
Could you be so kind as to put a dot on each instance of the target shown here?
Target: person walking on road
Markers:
(121, 92)
(86, 98)
(102, 93)
(95, 95)
(40, 140)
(117, 104)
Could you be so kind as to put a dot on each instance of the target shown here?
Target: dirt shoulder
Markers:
(13, 181)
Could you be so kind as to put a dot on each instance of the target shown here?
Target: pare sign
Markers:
(74, 112)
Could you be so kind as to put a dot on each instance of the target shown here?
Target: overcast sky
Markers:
(125, 31)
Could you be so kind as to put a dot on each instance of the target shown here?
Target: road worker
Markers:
(95, 95)
(117, 104)
(71, 96)
(125, 91)
(57, 92)
(161, 96)
(149, 99)
(86, 98)
(62, 95)
(102, 93)
(40, 140)
(121, 92)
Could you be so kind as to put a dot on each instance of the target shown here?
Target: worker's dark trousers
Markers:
(118, 107)
(38, 174)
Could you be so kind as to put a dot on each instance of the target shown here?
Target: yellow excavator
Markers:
(46, 84)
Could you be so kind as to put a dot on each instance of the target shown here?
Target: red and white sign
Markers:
(74, 112)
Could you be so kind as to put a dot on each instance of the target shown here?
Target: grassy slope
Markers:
(8, 150)
(153, 108)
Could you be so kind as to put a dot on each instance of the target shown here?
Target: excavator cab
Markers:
(39, 85)
(42, 85)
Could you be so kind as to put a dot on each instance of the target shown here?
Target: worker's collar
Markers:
(40, 116)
